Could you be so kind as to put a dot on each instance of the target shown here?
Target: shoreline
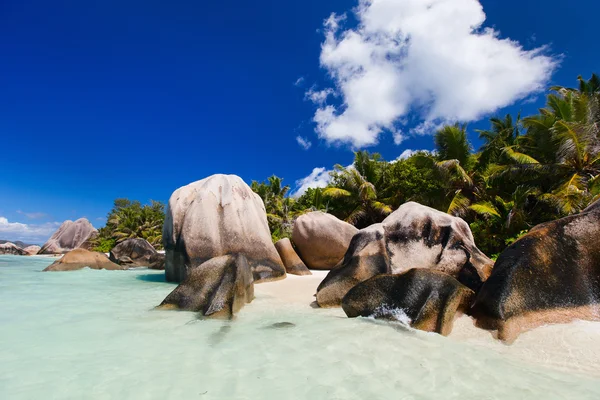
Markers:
(571, 347)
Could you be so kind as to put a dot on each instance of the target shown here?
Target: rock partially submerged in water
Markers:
(292, 263)
(137, 253)
(214, 217)
(321, 239)
(427, 300)
(81, 258)
(11, 248)
(413, 236)
(550, 275)
(69, 236)
(218, 288)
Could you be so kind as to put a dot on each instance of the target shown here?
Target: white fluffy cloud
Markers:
(318, 96)
(318, 178)
(36, 233)
(303, 142)
(409, 153)
(427, 58)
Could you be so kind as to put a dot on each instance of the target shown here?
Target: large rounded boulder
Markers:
(32, 249)
(69, 236)
(137, 253)
(321, 239)
(11, 248)
(413, 236)
(426, 300)
(292, 263)
(550, 275)
(81, 258)
(212, 218)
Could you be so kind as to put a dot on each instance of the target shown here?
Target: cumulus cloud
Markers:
(36, 233)
(428, 58)
(409, 153)
(399, 137)
(318, 96)
(318, 178)
(299, 81)
(303, 142)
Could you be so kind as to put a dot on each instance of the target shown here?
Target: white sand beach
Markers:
(566, 347)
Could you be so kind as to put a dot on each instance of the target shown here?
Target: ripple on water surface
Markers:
(94, 334)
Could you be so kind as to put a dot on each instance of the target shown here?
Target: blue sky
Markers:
(137, 98)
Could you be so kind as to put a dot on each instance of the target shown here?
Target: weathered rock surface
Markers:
(413, 236)
(550, 275)
(32, 250)
(427, 300)
(81, 258)
(218, 216)
(293, 264)
(11, 248)
(18, 243)
(217, 288)
(137, 253)
(321, 239)
(69, 236)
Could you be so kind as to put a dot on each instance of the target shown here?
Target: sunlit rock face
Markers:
(424, 299)
(81, 258)
(32, 250)
(214, 217)
(11, 248)
(550, 275)
(413, 236)
(137, 253)
(69, 236)
(292, 263)
(321, 239)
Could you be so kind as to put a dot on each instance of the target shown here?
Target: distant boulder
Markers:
(218, 216)
(321, 239)
(11, 248)
(69, 236)
(217, 288)
(413, 236)
(18, 243)
(81, 258)
(550, 275)
(426, 300)
(32, 250)
(137, 253)
(293, 264)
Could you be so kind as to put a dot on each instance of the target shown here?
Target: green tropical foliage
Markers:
(527, 171)
(130, 219)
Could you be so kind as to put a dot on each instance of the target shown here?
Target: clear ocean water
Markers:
(94, 335)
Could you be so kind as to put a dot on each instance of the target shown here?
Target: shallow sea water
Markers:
(94, 335)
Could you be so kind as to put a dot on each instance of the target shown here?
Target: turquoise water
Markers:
(94, 335)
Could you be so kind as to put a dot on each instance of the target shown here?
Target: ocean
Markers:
(95, 335)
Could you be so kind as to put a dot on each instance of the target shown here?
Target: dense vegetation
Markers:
(130, 219)
(528, 171)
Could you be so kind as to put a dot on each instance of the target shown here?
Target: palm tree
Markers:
(504, 133)
(129, 219)
(355, 189)
(280, 208)
(565, 137)
(454, 162)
